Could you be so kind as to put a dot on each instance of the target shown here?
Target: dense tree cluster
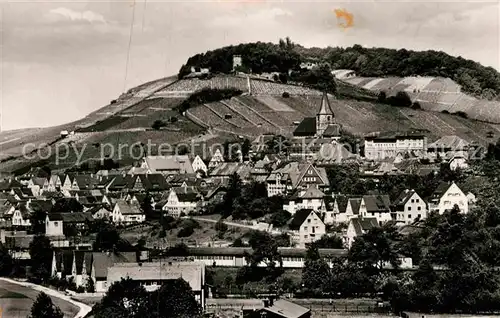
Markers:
(347, 179)
(370, 62)
(243, 201)
(43, 307)
(256, 57)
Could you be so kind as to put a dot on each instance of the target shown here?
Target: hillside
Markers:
(432, 93)
(261, 109)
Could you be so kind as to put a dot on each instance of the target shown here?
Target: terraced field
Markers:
(435, 94)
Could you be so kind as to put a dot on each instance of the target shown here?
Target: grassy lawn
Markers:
(4, 293)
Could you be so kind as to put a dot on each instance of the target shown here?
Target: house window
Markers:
(419, 216)
(305, 228)
(308, 220)
(417, 200)
(56, 224)
(412, 201)
(409, 216)
(419, 208)
(409, 208)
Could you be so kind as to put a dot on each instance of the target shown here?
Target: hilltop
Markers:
(150, 112)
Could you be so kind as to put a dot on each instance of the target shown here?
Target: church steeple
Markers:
(325, 108)
(325, 116)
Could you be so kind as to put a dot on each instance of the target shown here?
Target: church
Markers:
(324, 125)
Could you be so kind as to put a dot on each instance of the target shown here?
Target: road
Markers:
(20, 307)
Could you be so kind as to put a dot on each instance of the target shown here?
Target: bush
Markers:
(445, 112)
(286, 95)
(382, 96)
(158, 124)
(461, 114)
(416, 105)
(401, 99)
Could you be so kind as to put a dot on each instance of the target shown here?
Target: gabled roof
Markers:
(403, 198)
(85, 181)
(362, 225)
(342, 201)
(72, 217)
(299, 218)
(169, 163)
(39, 181)
(449, 142)
(191, 272)
(287, 309)
(377, 203)
(307, 127)
(67, 262)
(355, 204)
(186, 194)
(102, 261)
(441, 189)
(312, 193)
(128, 208)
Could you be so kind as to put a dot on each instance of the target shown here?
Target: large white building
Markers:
(390, 145)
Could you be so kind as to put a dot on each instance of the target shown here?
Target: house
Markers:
(67, 184)
(390, 144)
(62, 263)
(216, 159)
(307, 227)
(446, 196)
(100, 264)
(56, 222)
(358, 227)
(182, 200)
(340, 208)
(55, 182)
(312, 198)
(377, 206)
(280, 309)
(225, 170)
(100, 212)
(449, 147)
(152, 274)
(80, 270)
(21, 216)
(409, 207)
(83, 182)
(294, 176)
(127, 212)
(199, 165)
(38, 185)
(167, 164)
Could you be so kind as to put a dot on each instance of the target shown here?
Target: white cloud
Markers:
(68, 14)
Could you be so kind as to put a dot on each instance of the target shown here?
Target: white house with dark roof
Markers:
(347, 208)
(182, 200)
(101, 262)
(448, 147)
(358, 227)
(446, 196)
(409, 207)
(127, 212)
(54, 222)
(283, 309)
(306, 227)
(390, 144)
(312, 198)
(376, 206)
(296, 176)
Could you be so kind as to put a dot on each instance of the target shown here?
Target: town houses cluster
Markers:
(185, 185)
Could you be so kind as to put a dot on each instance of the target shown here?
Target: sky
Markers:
(62, 60)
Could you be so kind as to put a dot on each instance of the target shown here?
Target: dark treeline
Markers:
(370, 62)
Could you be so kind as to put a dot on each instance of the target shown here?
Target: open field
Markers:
(16, 301)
